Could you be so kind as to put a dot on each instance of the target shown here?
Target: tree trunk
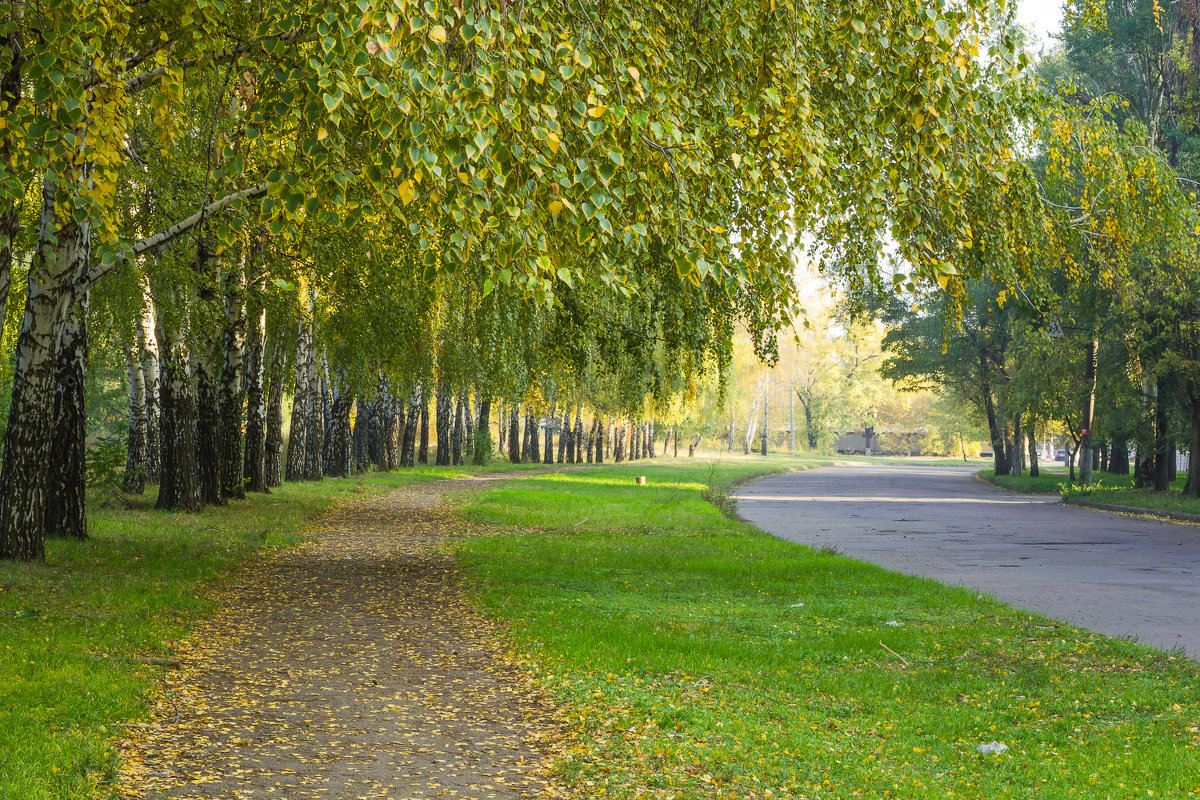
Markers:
(208, 423)
(298, 429)
(423, 452)
(1162, 480)
(393, 420)
(483, 432)
(601, 440)
(338, 454)
(535, 449)
(1089, 411)
(151, 374)
(1018, 447)
(577, 438)
(514, 434)
(443, 424)
(376, 448)
(810, 433)
(1033, 458)
(564, 437)
(60, 259)
(233, 385)
(692, 447)
(1118, 458)
(314, 436)
(362, 422)
(66, 501)
(134, 480)
(273, 440)
(525, 438)
(254, 464)
(765, 419)
(501, 427)
(468, 435)
(460, 427)
(179, 469)
(999, 460)
(791, 423)
(208, 411)
(1192, 487)
(408, 454)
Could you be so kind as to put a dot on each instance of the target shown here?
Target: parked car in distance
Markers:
(1060, 455)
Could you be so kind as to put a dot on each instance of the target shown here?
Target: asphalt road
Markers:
(1117, 575)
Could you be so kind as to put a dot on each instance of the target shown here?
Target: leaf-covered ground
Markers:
(348, 667)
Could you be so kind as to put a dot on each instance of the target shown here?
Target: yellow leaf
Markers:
(464, 177)
(635, 74)
(438, 34)
(322, 134)
(596, 112)
(556, 207)
(552, 140)
(407, 193)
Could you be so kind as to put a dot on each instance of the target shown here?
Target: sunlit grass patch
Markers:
(698, 657)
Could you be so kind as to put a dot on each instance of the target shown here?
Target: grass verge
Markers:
(77, 631)
(695, 656)
(1108, 489)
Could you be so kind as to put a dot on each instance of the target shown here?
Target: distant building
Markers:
(884, 442)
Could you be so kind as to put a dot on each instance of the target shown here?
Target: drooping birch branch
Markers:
(152, 244)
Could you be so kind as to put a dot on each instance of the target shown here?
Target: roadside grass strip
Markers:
(1116, 490)
(85, 636)
(696, 656)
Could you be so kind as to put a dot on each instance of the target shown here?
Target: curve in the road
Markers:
(1117, 575)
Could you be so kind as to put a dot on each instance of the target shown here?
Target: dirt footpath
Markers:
(351, 667)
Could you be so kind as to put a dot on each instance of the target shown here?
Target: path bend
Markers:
(1115, 574)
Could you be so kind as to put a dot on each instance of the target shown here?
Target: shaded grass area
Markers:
(1109, 489)
(1047, 482)
(696, 656)
(76, 630)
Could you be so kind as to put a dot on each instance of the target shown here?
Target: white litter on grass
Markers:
(796, 605)
(992, 747)
(894, 624)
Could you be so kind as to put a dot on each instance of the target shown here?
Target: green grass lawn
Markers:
(72, 629)
(1050, 480)
(1108, 489)
(695, 656)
